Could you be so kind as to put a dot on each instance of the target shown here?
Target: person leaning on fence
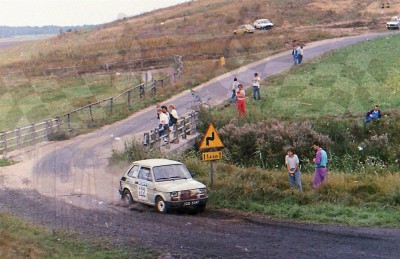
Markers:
(173, 115)
(163, 123)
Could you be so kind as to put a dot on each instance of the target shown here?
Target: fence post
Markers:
(184, 128)
(141, 90)
(175, 133)
(146, 139)
(154, 88)
(192, 124)
(196, 119)
(152, 138)
(58, 121)
(129, 99)
(4, 139)
(48, 130)
(69, 122)
(162, 83)
(33, 131)
(18, 130)
(91, 113)
(111, 104)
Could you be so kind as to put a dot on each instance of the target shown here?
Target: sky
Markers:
(74, 12)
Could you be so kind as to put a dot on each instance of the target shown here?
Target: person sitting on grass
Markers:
(373, 114)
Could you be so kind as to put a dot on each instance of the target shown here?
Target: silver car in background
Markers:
(263, 24)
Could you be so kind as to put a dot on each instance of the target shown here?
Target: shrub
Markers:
(264, 144)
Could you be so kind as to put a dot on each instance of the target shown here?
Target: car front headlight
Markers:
(203, 190)
(173, 194)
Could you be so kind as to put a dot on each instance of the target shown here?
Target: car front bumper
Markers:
(187, 204)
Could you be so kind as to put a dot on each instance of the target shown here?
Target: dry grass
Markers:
(200, 31)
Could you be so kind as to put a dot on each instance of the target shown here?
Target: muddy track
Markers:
(213, 234)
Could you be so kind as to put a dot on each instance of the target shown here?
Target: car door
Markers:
(145, 186)
(132, 181)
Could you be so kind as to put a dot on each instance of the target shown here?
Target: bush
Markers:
(264, 144)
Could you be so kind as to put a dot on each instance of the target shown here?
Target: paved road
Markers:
(77, 171)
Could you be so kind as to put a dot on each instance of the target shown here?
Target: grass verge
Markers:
(19, 239)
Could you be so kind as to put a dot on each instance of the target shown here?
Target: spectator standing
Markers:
(292, 165)
(320, 161)
(256, 86)
(241, 104)
(173, 115)
(299, 53)
(294, 54)
(235, 85)
(373, 114)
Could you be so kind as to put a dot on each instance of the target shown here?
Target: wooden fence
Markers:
(82, 116)
(22, 136)
(185, 126)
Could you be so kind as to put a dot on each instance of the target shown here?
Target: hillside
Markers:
(200, 31)
(204, 28)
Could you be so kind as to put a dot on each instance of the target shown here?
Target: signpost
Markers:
(211, 140)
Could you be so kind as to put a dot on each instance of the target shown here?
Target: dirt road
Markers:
(69, 184)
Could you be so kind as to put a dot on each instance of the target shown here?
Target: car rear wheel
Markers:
(161, 206)
(127, 197)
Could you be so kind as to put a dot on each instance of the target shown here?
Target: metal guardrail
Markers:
(73, 120)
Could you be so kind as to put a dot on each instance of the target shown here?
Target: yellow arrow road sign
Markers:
(211, 139)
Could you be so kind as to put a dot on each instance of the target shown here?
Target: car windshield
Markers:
(394, 19)
(264, 21)
(170, 172)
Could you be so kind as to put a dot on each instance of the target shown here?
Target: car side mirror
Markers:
(192, 174)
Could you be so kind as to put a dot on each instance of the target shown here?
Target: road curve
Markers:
(76, 170)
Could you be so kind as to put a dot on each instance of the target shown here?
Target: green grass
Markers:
(23, 240)
(5, 162)
(346, 199)
(349, 80)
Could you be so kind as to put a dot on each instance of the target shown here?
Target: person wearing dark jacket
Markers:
(373, 114)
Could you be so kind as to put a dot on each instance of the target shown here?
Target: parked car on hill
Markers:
(394, 23)
(263, 24)
(243, 29)
(163, 183)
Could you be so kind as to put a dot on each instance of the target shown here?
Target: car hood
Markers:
(179, 185)
(394, 23)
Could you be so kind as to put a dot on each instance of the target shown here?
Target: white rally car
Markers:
(394, 23)
(162, 183)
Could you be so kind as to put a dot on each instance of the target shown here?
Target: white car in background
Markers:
(394, 23)
(263, 24)
(163, 183)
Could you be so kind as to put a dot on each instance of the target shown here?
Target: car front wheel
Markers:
(161, 206)
(127, 197)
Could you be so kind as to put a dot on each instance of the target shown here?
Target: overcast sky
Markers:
(74, 12)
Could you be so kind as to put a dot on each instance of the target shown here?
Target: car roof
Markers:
(156, 162)
(262, 20)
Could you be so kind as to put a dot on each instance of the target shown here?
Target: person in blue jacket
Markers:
(373, 114)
